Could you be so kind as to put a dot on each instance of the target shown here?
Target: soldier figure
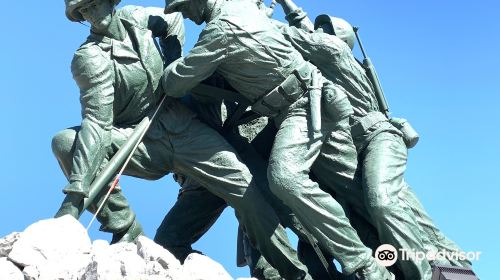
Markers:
(196, 209)
(389, 216)
(118, 71)
(389, 204)
(241, 44)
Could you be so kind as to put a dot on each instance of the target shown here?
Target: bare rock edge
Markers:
(60, 248)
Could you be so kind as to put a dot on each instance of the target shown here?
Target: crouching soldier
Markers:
(118, 70)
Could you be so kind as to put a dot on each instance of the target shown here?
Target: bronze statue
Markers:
(118, 70)
(241, 44)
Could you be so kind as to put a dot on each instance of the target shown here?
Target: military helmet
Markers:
(174, 5)
(340, 27)
(72, 7)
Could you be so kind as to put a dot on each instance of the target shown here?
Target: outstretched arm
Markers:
(296, 16)
(201, 62)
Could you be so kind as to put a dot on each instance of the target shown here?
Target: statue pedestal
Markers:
(441, 272)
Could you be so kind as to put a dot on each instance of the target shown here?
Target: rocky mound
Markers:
(60, 248)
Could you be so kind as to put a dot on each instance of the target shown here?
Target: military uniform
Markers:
(389, 204)
(196, 209)
(382, 152)
(119, 84)
(241, 44)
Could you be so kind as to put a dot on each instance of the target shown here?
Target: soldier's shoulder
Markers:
(88, 58)
(134, 14)
(242, 15)
(327, 40)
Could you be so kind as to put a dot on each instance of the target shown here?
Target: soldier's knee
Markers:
(62, 143)
(380, 208)
(283, 181)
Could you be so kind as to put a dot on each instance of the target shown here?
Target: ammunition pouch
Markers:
(410, 135)
(290, 90)
(364, 123)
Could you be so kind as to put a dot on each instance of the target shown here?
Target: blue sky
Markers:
(438, 62)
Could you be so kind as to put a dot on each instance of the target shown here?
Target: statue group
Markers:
(279, 121)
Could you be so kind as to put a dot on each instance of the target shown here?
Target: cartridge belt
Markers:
(290, 90)
(364, 123)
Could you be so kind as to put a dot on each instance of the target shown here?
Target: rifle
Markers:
(372, 75)
(410, 135)
(75, 206)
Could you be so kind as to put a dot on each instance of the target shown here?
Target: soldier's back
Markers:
(258, 56)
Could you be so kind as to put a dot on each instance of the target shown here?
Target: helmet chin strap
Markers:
(83, 23)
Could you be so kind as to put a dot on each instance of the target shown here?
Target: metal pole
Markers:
(131, 145)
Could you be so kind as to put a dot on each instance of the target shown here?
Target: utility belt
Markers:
(363, 124)
(408, 133)
(290, 90)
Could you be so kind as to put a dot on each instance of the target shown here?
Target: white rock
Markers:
(7, 242)
(131, 264)
(153, 268)
(8, 271)
(152, 252)
(70, 269)
(52, 240)
(145, 277)
(60, 249)
(200, 267)
(99, 245)
(114, 262)
(31, 273)
(246, 279)
(102, 266)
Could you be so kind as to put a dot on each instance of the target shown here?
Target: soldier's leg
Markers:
(202, 154)
(383, 165)
(258, 168)
(258, 265)
(116, 215)
(366, 232)
(436, 238)
(294, 151)
(194, 212)
(255, 155)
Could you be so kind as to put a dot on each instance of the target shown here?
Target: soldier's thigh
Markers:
(202, 154)
(336, 168)
(383, 167)
(151, 160)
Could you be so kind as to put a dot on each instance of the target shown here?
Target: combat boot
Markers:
(129, 235)
(71, 205)
(374, 271)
